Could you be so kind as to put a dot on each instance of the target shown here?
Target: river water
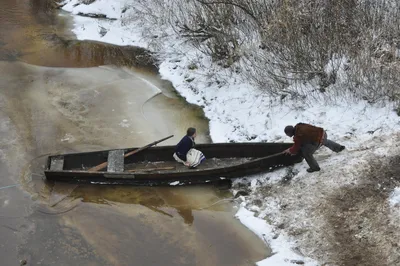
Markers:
(63, 96)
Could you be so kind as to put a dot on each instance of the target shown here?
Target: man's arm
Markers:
(296, 146)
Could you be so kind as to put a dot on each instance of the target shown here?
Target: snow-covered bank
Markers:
(336, 213)
(237, 111)
(288, 217)
(282, 254)
(395, 197)
(394, 202)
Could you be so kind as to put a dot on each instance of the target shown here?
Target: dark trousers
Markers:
(308, 149)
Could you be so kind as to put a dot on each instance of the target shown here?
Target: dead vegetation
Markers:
(303, 49)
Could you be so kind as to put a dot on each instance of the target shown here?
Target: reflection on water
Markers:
(183, 200)
(164, 226)
(53, 110)
(154, 226)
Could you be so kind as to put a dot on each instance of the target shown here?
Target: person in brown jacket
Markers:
(307, 140)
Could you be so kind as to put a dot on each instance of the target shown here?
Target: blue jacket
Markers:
(183, 147)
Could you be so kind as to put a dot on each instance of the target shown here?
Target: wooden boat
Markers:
(156, 166)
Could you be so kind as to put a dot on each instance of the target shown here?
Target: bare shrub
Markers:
(306, 49)
(152, 16)
(212, 28)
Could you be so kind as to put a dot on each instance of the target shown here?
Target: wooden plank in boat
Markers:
(115, 161)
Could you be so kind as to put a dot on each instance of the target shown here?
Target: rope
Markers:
(9, 186)
(217, 202)
(206, 207)
(26, 171)
(57, 213)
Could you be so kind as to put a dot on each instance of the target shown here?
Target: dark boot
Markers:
(336, 147)
(310, 170)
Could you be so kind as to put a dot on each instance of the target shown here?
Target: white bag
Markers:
(194, 158)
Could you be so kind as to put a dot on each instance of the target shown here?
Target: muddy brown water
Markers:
(62, 96)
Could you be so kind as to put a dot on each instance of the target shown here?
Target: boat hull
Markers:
(266, 157)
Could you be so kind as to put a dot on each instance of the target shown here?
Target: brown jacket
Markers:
(305, 133)
(308, 133)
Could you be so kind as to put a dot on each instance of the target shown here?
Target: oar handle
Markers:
(147, 146)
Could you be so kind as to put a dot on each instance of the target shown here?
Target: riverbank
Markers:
(295, 211)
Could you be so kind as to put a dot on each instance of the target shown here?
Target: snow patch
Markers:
(394, 199)
(112, 9)
(68, 138)
(394, 203)
(6, 202)
(124, 123)
(280, 244)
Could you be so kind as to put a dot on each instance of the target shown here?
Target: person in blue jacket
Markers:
(185, 152)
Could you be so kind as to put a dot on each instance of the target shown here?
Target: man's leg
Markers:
(336, 147)
(307, 151)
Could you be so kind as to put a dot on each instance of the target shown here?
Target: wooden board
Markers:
(115, 161)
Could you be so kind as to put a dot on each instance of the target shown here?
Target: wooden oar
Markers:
(103, 165)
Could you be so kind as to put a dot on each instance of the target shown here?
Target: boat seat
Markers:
(57, 163)
(115, 161)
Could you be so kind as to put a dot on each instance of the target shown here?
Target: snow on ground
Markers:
(279, 244)
(312, 210)
(288, 217)
(394, 202)
(395, 198)
(112, 9)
